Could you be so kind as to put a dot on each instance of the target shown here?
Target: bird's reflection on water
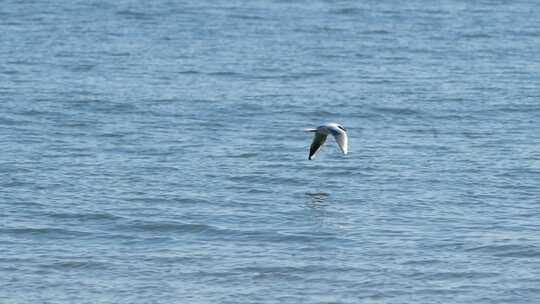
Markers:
(317, 200)
(316, 205)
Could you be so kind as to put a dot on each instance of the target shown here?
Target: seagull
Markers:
(337, 130)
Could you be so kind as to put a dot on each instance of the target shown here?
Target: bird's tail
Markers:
(310, 130)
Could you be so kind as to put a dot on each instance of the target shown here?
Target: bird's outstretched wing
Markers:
(318, 141)
(342, 139)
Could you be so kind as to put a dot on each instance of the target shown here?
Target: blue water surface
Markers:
(153, 152)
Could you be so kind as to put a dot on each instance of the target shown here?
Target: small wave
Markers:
(246, 17)
(69, 265)
(508, 250)
(445, 275)
(224, 74)
(301, 238)
(528, 253)
(48, 232)
(525, 33)
(376, 81)
(317, 113)
(396, 59)
(375, 32)
(422, 262)
(10, 72)
(269, 180)
(348, 11)
(189, 72)
(129, 14)
(85, 216)
(244, 155)
(317, 194)
(311, 74)
(82, 67)
(397, 111)
(11, 122)
(166, 227)
(168, 200)
(118, 54)
(291, 270)
(475, 35)
(287, 273)
(363, 56)
(517, 109)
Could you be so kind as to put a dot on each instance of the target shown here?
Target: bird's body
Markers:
(337, 130)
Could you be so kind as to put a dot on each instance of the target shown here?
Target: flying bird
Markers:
(337, 130)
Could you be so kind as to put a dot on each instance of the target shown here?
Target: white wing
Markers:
(342, 139)
(318, 141)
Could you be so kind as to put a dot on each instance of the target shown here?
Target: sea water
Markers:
(153, 152)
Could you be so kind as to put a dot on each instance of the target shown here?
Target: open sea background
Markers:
(152, 152)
